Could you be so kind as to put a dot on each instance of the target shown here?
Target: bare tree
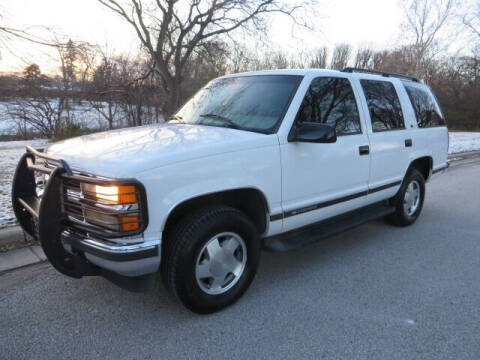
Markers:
(240, 59)
(364, 58)
(378, 59)
(6, 32)
(76, 65)
(472, 20)
(424, 19)
(341, 56)
(46, 106)
(35, 110)
(277, 60)
(104, 91)
(33, 77)
(38, 114)
(171, 30)
(9, 34)
(140, 95)
(319, 59)
(208, 62)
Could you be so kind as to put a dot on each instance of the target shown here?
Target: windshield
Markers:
(253, 103)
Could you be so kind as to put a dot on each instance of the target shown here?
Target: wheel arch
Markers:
(251, 201)
(424, 164)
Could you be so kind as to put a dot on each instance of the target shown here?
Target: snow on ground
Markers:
(463, 142)
(11, 151)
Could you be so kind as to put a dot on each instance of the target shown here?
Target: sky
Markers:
(368, 22)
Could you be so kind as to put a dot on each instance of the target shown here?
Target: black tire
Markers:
(184, 244)
(401, 217)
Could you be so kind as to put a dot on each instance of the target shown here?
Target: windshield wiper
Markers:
(230, 122)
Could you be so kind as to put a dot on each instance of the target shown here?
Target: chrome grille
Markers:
(72, 196)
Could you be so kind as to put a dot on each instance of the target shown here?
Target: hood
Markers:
(125, 152)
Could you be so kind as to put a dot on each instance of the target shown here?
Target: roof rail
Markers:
(382, 73)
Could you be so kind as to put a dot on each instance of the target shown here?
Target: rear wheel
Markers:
(408, 202)
(210, 258)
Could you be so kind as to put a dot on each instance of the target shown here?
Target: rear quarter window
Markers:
(427, 112)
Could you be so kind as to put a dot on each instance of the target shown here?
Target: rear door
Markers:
(390, 135)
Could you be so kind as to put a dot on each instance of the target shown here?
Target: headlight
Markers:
(115, 194)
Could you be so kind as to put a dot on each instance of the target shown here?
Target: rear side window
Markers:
(383, 104)
(426, 109)
(330, 100)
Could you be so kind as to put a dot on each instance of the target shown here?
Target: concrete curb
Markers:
(14, 259)
(11, 235)
(463, 155)
(27, 255)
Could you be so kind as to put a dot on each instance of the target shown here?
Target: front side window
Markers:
(331, 100)
(383, 105)
(426, 109)
(254, 103)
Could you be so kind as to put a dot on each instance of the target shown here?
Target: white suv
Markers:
(272, 159)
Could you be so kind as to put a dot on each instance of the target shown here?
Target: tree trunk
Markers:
(110, 116)
(174, 98)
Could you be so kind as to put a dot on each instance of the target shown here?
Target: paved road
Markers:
(376, 292)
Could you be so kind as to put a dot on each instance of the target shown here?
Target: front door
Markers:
(320, 180)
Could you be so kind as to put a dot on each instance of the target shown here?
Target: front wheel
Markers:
(408, 202)
(210, 258)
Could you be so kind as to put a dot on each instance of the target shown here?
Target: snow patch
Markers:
(10, 153)
(463, 142)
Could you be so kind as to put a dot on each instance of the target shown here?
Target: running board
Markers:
(312, 233)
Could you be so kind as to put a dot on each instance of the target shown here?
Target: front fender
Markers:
(171, 185)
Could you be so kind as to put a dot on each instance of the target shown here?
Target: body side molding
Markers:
(323, 204)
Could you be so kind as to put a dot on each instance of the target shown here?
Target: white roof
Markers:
(315, 72)
(302, 72)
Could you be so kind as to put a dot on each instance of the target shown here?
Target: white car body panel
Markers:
(255, 168)
(309, 178)
(126, 152)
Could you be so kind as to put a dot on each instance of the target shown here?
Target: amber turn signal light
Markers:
(129, 223)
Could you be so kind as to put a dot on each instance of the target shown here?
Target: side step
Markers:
(312, 233)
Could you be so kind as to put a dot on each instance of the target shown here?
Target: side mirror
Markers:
(313, 132)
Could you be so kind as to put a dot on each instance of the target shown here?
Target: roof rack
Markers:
(382, 73)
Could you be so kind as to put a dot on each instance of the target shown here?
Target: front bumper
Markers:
(74, 252)
(134, 259)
